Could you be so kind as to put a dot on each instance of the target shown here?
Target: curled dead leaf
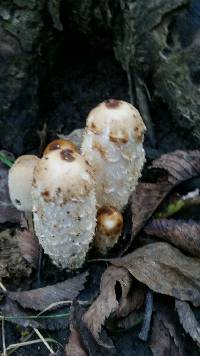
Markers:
(115, 286)
(164, 269)
(74, 346)
(188, 320)
(145, 200)
(180, 165)
(185, 235)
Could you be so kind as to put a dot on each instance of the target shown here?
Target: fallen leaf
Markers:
(144, 201)
(188, 320)
(131, 320)
(29, 247)
(39, 299)
(115, 286)
(185, 235)
(12, 261)
(133, 301)
(74, 346)
(7, 211)
(180, 165)
(17, 315)
(91, 345)
(161, 342)
(164, 269)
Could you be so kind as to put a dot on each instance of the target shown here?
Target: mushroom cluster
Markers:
(71, 194)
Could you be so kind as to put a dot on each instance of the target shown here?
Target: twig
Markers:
(56, 304)
(143, 335)
(43, 340)
(32, 342)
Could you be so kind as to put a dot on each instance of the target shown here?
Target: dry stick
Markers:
(32, 342)
(43, 340)
(143, 335)
(2, 287)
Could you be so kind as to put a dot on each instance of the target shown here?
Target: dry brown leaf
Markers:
(188, 320)
(185, 235)
(133, 301)
(74, 346)
(145, 200)
(91, 345)
(12, 261)
(164, 269)
(7, 211)
(115, 286)
(29, 247)
(161, 341)
(180, 165)
(39, 299)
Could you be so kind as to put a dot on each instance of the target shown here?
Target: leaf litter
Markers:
(159, 266)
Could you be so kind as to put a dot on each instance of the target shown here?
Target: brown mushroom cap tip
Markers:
(60, 144)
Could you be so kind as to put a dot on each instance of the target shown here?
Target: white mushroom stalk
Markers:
(64, 206)
(113, 146)
(20, 182)
(108, 230)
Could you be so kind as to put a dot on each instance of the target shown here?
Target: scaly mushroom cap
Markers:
(20, 182)
(64, 206)
(109, 228)
(113, 146)
(60, 144)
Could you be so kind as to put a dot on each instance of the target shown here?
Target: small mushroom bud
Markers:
(60, 144)
(109, 228)
(113, 146)
(20, 182)
(64, 206)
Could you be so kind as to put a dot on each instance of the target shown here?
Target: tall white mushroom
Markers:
(64, 206)
(20, 182)
(113, 146)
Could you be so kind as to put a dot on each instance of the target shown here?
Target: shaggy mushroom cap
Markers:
(109, 228)
(64, 206)
(20, 182)
(60, 144)
(113, 145)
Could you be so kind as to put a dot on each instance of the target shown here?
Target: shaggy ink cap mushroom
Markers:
(113, 145)
(108, 229)
(64, 206)
(20, 182)
(60, 144)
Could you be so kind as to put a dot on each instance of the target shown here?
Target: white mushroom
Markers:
(64, 206)
(113, 146)
(109, 228)
(60, 144)
(20, 182)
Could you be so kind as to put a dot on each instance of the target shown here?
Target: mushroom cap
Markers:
(60, 144)
(20, 181)
(63, 172)
(64, 207)
(113, 146)
(122, 120)
(108, 229)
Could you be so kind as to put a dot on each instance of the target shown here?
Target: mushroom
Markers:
(109, 228)
(20, 182)
(58, 144)
(113, 146)
(64, 206)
